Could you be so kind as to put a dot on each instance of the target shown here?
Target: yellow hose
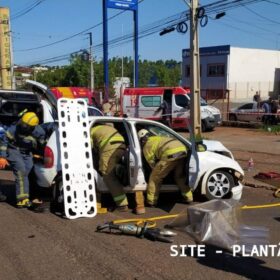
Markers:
(151, 221)
(260, 206)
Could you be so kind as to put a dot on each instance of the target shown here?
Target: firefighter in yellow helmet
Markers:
(110, 147)
(16, 150)
(164, 154)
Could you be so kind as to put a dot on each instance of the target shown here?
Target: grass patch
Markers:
(271, 128)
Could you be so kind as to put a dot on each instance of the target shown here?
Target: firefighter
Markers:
(110, 147)
(16, 150)
(164, 154)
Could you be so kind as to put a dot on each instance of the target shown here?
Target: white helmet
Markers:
(142, 133)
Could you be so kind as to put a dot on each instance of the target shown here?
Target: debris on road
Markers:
(216, 223)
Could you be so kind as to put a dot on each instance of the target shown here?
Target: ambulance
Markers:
(145, 102)
(74, 92)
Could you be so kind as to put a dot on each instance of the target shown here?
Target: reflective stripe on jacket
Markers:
(163, 148)
(101, 135)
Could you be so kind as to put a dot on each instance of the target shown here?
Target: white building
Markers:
(239, 71)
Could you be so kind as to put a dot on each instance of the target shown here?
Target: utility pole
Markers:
(91, 63)
(195, 70)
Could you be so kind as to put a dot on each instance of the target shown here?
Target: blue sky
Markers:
(253, 26)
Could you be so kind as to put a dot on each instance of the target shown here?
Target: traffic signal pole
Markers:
(195, 71)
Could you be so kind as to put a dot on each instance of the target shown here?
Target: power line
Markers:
(261, 16)
(167, 22)
(74, 35)
(27, 9)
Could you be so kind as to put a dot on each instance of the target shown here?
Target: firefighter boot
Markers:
(25, 203)
(140, 203)
(100, 209)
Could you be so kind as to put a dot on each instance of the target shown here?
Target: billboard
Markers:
(5, 49)
(123, 4)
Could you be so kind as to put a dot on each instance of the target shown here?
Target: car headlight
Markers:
(209, 113)
(239, 176)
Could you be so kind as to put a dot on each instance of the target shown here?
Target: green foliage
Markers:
(77, 73)
(271, 128)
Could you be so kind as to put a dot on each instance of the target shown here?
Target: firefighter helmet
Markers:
(30, 118)
(142, 133)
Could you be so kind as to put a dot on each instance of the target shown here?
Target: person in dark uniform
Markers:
(16, 150)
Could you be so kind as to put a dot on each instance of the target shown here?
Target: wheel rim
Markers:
(218, 185)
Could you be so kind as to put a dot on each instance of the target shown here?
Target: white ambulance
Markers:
(145, 102)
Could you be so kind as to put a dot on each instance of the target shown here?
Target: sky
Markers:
(251, 26)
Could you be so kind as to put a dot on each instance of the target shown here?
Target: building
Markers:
(241, 72)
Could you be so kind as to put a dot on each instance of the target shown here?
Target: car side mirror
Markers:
(200, 147)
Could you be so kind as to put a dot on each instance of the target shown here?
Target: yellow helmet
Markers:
(30, 119)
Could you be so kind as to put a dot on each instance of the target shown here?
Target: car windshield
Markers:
(93, 112)
(202, 101)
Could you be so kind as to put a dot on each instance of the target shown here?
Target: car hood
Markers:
(217, 147)
(213, 160)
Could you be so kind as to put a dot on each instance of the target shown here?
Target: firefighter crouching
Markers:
(110, 147)
(16, 150)
(164, 154)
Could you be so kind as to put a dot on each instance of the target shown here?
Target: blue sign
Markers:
(123, 4)
(207, 51)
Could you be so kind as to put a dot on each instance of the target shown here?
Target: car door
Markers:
(136, 174)
(244, 112)
(44, 92)
(192, 168)
(180, 110)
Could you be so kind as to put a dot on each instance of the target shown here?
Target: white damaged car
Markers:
(211, 170)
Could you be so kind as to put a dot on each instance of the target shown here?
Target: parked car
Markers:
(249, 112)
(213, 173)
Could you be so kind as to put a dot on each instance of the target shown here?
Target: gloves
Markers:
(3, 163)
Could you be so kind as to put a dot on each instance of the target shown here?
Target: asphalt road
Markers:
(46, 246)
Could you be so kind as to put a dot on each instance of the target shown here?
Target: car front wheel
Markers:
(219, 184)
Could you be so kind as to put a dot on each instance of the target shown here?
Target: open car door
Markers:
(45, 94)
(134, 169)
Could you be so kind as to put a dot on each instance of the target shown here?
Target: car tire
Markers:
(58, 202)
(232, 118)
(219, 184)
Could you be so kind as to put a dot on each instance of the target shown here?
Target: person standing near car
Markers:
(164, 154)
(166, 112)
(267, 111)
(16, 148)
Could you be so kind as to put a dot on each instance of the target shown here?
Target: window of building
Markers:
(188, 70)
(215, 70)
(151, 101)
